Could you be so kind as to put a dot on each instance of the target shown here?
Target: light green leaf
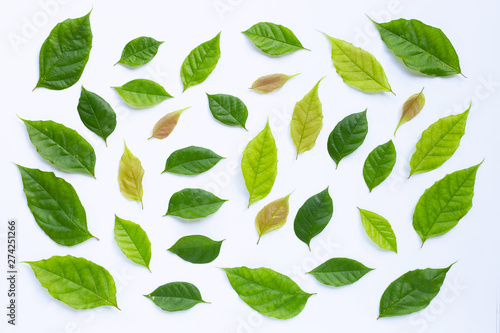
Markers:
(142, 93)
(191, 160)
(197, 249)
(268, 292)
(338, 272)
(268, 83)
(379, 164)
(227, 109)
(176, 296)
(96, 114)
(130, 174)
(273, 39)
(165, 126)
(139, 51)
(133, 241)
(193, 203)
(411, 108)
(272, 217)
(379, 230)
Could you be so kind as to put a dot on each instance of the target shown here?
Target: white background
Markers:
(467, 302)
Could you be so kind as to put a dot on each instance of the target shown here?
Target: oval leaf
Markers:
(268, 292)
(65, 53)
(307, 121)
(273, 39)
(268, 83)
(197, 249)
(130, 174)
(347, 136)
(200, 62)
(176, 296)
(191, 160)
(379, 164)
(55, 207)
(260, 165)
(273, 216)
(133, 241)
(96, 114)
(379, 230)
(227, 109)
(443, 204)
(193, 203)
(438, 143)
(77, 282)
(358, 67)
(411, 108)
(139, 51)
(338, 272)
(421, 47)
(61, 146)
(142, 93)
(412, 292)
(166, 124)
(313, 216)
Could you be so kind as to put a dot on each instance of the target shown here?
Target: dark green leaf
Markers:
(227, 109)
(338, 272)
(197, 249)
(193, 203)
(96, 114)
(176, 296)
(139, 51)
(273, 39)
(191, 160)
(379, 164)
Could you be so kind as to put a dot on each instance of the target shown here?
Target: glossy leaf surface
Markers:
(197, 249)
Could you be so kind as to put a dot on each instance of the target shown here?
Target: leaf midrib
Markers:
(264, 229)
(303, 293)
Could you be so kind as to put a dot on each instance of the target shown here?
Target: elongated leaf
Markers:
(191, 160)
(347, 136)
(268, 83)
(197, 249)
(77, 282)
(379, 164)
(412, 291)
(443, 204)
(227, 109)
(273, 216)
(130, 174)
(421, 47)
(411, 108)
(273, 39)
(268, 292)
(338, 272)
(139, 51)
(65, 53)
(200, 62)
(176, 296)
(142, 93)
(55, 207)
(166, 124)
(307, 121)
(438, 143)
(358, 67)
(96, 114)
(193, 203)
(260, 165)
(61, 146)
(379, 230)
(133, 241)
(313, 216)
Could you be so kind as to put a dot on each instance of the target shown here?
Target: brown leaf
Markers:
(412, 107)
(272, 216)
(166, 124)
(271, 82)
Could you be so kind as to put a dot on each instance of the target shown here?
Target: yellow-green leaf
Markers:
(273, 216)
(130, 175)
(166, 124)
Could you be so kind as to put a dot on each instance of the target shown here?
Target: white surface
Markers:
(467, 302)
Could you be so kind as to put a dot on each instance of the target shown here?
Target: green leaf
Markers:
(273, 39)
(358, 67)
(411, 108)
(176, 296)
(412, 292)
(338, 272)
(61, 146)
(268, 83)
(191, 160)
(165, 126)
(139, 51)
(438, 143)
(272, 217)
(313, 216)
(65, 53)
(421, 47)
(193, 203)
(197, 249)
(379, 230)
(130, 174)
(260, 165)
(347, 136)
(142, 93)
(55, 207)
(268, 292)
(379, 164)
(227, 109)
(133, 241)
(200, 62)
(307, 121)
(96, 114)
(443, 204)
(77, 282)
